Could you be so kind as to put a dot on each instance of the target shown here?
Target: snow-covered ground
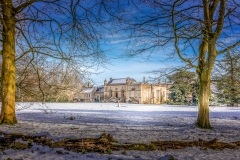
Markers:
(127, 123)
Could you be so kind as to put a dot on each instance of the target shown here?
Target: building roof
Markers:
(136, 83)
(100, 89)
(87, 90)
(120, 80)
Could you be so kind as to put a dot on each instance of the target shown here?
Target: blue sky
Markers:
(150, 34)
(122, 67)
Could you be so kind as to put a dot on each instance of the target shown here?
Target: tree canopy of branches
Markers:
(184, 87)
(53, 82)
(33, 30)
(196, 31)
(227, 77)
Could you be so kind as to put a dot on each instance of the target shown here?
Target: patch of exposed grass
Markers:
(152, 146)
(105, 142)
(59, 144)
(108, 151)
(83, 151)
(140, 147)
(19, 145)
(171, 158)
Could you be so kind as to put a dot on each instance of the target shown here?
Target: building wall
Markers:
(99, 96)
(116, 91)
(87, 96)
(136, 93)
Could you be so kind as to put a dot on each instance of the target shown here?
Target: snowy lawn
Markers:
(127, 123)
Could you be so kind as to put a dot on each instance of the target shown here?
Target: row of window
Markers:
(116, 94)
(87, 95)
(134, 94)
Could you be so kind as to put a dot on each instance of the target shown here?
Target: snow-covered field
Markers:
(128, 123)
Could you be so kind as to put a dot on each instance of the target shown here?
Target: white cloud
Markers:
(118, 41)
(131, 68)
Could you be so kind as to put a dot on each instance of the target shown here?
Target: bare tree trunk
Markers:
(8, 115)
(204, 71)
(203, 103)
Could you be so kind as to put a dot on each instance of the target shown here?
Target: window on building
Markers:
(158, 94)
(116, 94)
(122, 93)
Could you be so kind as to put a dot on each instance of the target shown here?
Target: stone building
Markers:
(99, 94)
(131, 91)
(87, 94)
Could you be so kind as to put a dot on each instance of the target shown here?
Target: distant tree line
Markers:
(225, 82)
(226, 76)
(184, 89)
(46, 81)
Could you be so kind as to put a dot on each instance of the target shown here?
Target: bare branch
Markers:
(229, 48)
(220, 21)
(2, 21)
(24, 5)
(21, 7)
(177, 39)
(207, 20)
(213, 8)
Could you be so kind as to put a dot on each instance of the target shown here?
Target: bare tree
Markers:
(51, 82)
(196, 31)
(65, 30)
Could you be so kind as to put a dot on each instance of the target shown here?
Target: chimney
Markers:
(88, 84)
(105, 82)
(159, 81)
(127, 80)
(144, 81)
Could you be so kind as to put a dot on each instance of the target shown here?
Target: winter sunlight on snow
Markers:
(127, 123)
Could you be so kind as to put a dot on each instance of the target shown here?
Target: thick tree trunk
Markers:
(204, 71)
(8, 67)
(203, 103)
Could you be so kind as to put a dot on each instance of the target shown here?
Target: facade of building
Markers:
(87, 94)
(90, 94)
(99, 94)
(131, 91)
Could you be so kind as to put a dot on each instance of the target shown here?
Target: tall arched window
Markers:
(122, 93)
(158, 94)
(116, 95)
